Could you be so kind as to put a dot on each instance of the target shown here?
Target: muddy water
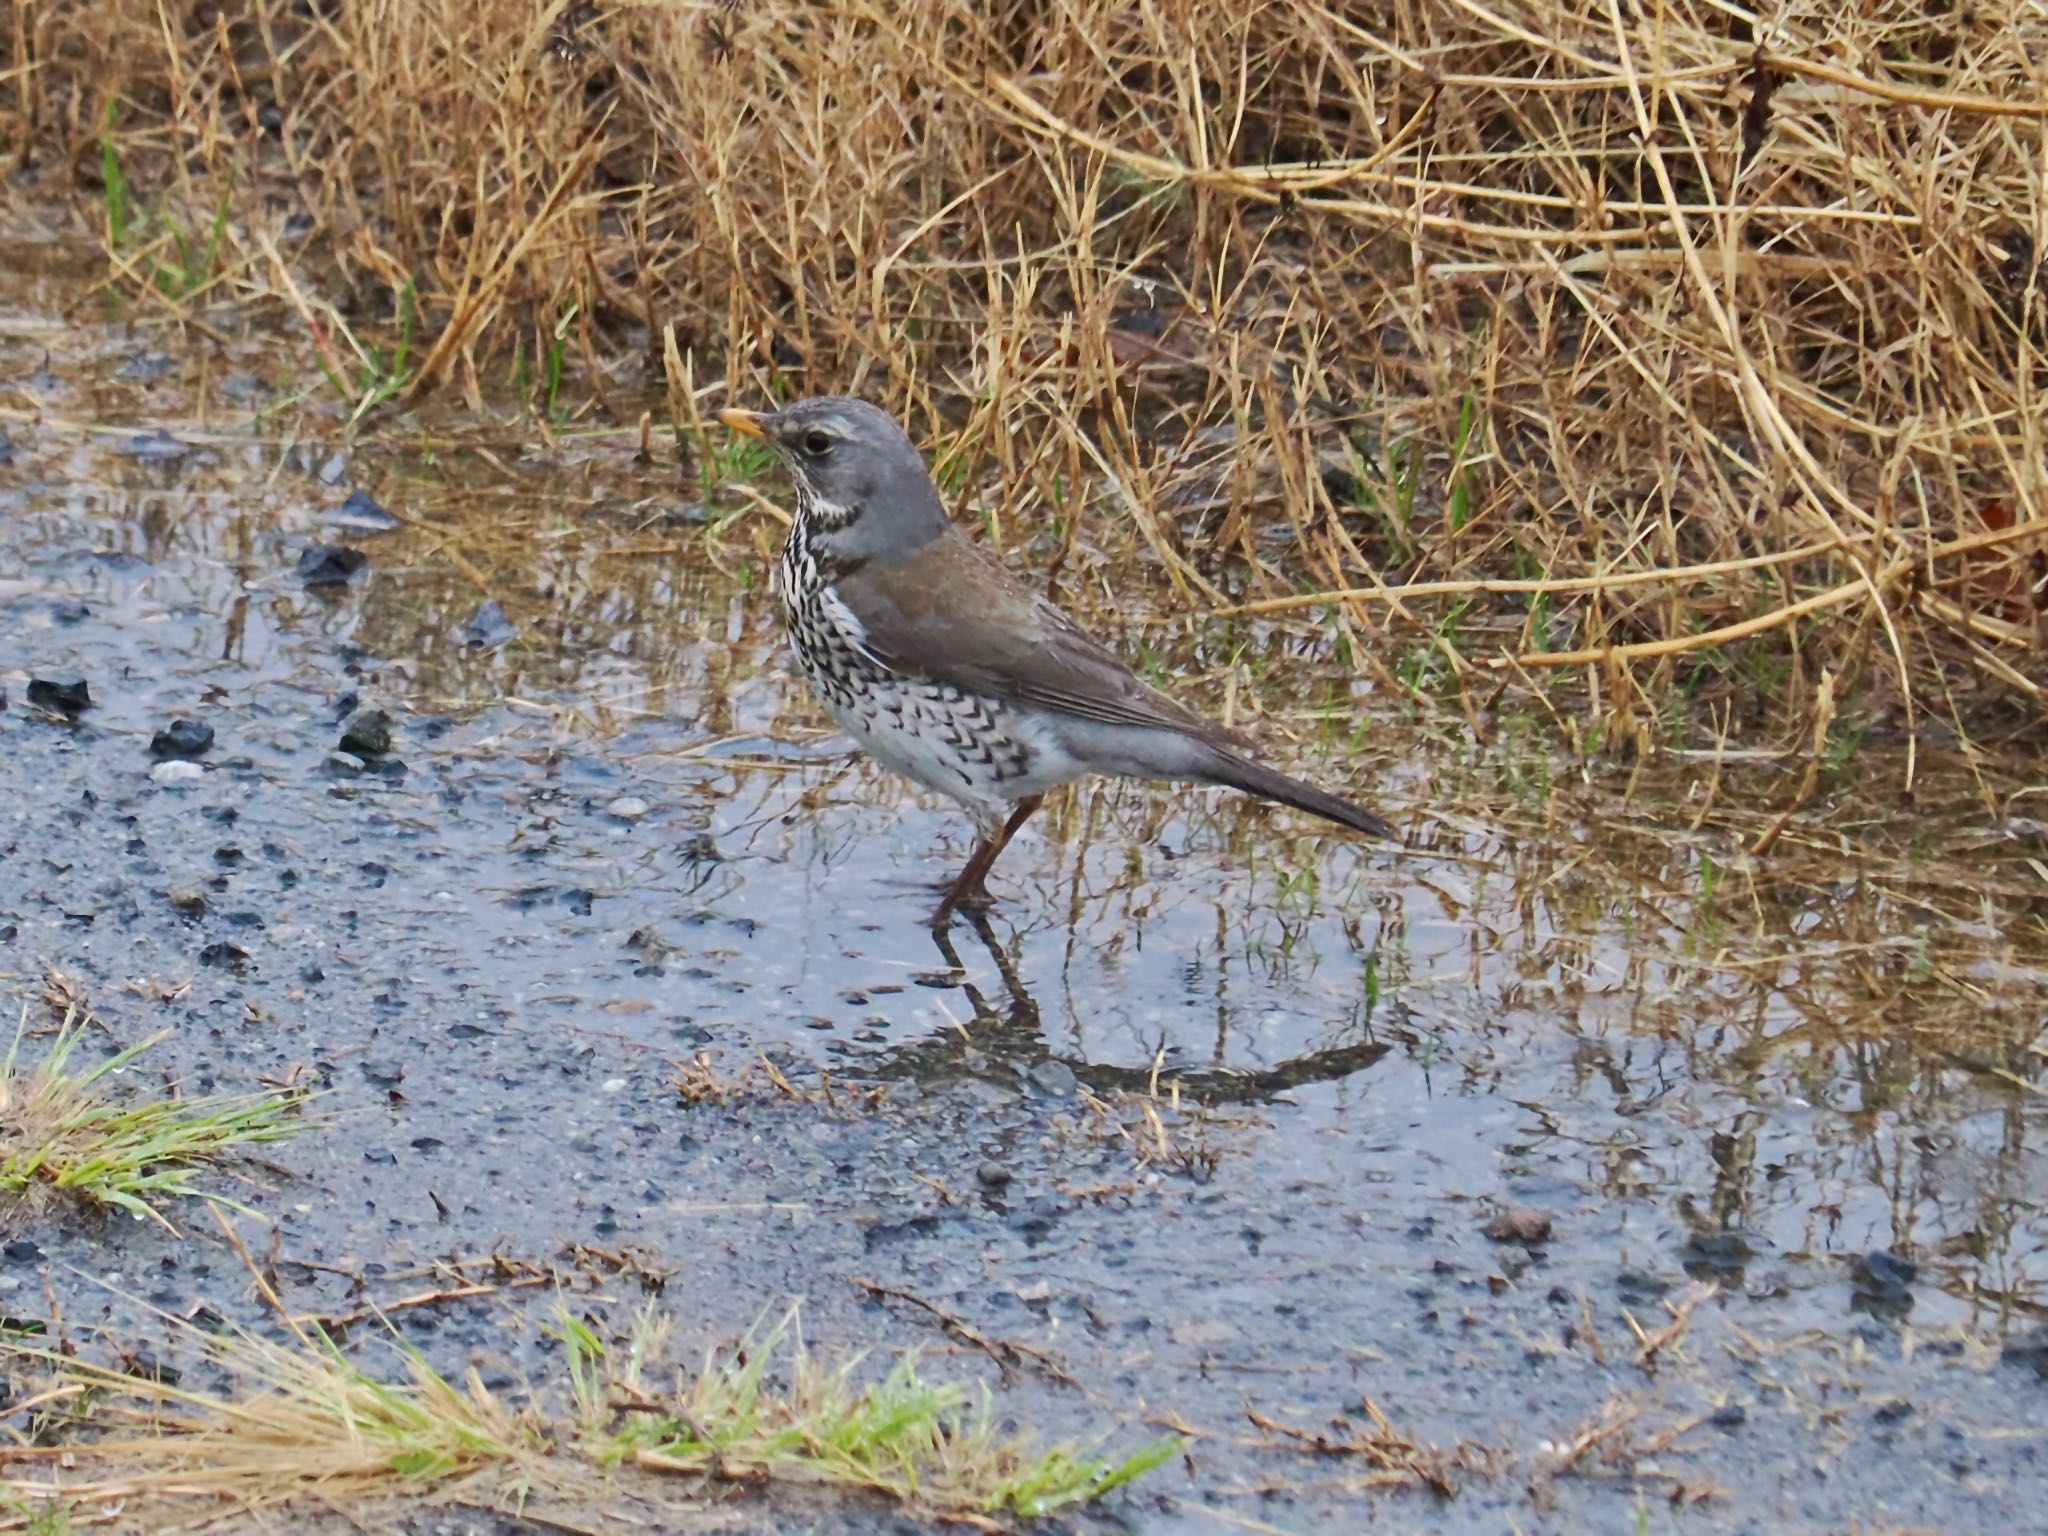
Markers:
(612, 834)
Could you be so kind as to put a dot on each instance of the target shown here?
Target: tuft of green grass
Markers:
(38, 1517)
(61, 1129)
(299, 1414)
(381, 375)
(115, 199)
(557, 347)
(902, 1436)
(723, 457)
(195, 262)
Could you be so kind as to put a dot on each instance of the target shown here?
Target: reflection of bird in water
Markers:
(942, 666)
(1007, 1041)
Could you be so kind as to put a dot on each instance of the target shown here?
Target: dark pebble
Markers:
(1519, 1224)
(385, 1074)
(1884, 1271)
(1897, 1411)
(488, 628)
(1729, 1416)
(1716, 1255)
(182, 739)
(367, 735)
(360, 513)
(70, 699)
(992, 1175)
(144, 1366)
(225, 957)
(2029, 1350)
(6, 449)
(157, 447)
(21, 1251)
(70, 612)
(145, 368)
(331, 565)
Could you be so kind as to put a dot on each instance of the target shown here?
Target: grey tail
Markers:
(1257, 779)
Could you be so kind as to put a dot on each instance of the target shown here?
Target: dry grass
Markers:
(698, 1083)
(1693, 353)
(301, 1421)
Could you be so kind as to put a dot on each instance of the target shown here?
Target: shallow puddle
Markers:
(1216, 1110)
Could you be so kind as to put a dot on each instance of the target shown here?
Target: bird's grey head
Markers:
(861, 484)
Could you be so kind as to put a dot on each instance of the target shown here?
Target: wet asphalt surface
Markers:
(608, 836)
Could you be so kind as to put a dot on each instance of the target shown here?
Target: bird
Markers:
(945, 667)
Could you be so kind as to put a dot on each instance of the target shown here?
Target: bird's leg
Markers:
(968, 890)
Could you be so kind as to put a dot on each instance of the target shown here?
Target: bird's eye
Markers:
(817, 444)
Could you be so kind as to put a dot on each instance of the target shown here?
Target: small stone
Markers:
(69, 612)
(69, 699)
(1522, 1224)
(385, 1074)
(360, 513)
(344, 765)
(627, 808)
(488, 628)
(1882, 1284)
(1896, 1411)
(331, 565)
(1883, 1270)
(6, 450)
(224, 957)
(992, 1175)
(182, 738)
(368, 734)
(157, 447)
(1729, 1416)
(1716, 1254)
(20, 1250)
(187, 902)
(145, 1366)
(145, 368)
(177, 773)
(1055, 1079)
(2028, 1351)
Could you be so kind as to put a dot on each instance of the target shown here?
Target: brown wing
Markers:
(951, 614)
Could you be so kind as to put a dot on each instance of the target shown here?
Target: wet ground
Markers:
(1659, 1189)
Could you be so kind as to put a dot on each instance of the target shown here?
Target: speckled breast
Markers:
(943, 737)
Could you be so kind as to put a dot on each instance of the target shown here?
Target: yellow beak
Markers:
(747, 423)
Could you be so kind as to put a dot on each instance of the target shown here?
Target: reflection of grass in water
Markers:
(61, 1130)
(302, 1417)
